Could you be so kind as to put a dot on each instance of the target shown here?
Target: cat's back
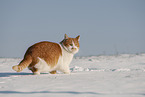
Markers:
(44, 49)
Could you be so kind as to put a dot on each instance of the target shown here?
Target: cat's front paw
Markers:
(67, 72)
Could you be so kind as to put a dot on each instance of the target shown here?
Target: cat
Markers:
(49, 56)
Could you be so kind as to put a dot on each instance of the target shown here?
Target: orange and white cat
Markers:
(50, 57)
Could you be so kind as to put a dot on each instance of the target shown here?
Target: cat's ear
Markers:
(78, 38)
(65, 36)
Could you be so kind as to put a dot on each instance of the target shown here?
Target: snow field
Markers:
(94, 76)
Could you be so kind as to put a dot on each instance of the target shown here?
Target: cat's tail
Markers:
(23, 64)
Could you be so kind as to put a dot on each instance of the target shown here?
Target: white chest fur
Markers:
(64, 61)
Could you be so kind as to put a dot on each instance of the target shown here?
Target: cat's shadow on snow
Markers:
(64, 92)
(55, 92)
(8, 74)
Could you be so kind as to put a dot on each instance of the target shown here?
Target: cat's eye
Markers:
(71, 44)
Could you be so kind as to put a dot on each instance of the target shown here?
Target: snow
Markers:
(94, 76)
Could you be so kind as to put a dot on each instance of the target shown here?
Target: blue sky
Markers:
(105, 26)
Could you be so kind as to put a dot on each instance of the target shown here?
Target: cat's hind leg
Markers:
(34, 70)
(36, 73)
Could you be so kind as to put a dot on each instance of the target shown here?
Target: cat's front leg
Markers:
(66, 70)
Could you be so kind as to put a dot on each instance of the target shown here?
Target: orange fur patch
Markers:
(48, 51)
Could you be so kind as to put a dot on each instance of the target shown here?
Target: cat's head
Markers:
(71, 45)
